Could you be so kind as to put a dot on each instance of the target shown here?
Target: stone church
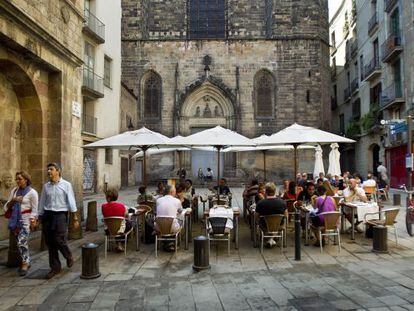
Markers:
(248, 65)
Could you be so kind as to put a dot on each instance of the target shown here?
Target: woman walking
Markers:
(21, 208)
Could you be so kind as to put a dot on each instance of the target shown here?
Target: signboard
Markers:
(76, 109)
(409, 161)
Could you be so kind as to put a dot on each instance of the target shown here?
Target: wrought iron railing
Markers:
(92, 81)
(94, 24)
(89, 124)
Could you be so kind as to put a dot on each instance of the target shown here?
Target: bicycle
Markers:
(409, 213)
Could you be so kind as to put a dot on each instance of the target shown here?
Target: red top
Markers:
(113, 209)
(288, 196)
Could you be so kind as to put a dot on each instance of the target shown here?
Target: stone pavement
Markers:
(354, 279)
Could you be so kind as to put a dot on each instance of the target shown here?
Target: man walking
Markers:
(57, 199)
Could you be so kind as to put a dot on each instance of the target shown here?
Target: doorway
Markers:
(375, 158)
(124, 172)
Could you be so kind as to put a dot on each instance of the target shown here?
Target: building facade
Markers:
(251, 66)
(40, 82)
(371, 80)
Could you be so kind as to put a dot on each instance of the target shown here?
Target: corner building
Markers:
(251, 66)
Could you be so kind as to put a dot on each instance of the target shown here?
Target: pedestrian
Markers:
(383, 176)
(209, 174)
(22, 210)
(56, 200)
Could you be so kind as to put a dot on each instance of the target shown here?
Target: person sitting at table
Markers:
(284, 188)
(169, 206)
(261, 193)
(323, 203)
(209, 174)
(160, 190)
(370, 182)
(353, 194)
(251, 190)
(319, 182)
(308, 194)
(143, 195)
(302, 182)
(329, 189)
(291, 193)
(116, 209)
(181, 195)
(271, 205)
(222, 187)
(189, 189)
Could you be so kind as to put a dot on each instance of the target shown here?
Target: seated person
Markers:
(189, 189)
(271, 205)
(353, 194)
(308, 195)
(370, 182)
(251, 190)
(143, 196)
(222, 187)
(169, 206)
(319, 182)
(323, 203)
(260, 193)
(291, 193)
(329, 190)
(209, 174)
(302, 182)
(284, 188)
(160, 190)
(116, 209)
(181, 195)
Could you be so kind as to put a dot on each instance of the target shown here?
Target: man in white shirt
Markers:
(353, 193)
(370, 182)
(169, 206)
(382, 174)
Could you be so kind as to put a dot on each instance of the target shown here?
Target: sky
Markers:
(333, 6)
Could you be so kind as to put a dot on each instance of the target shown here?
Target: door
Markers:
(375, 159)
(124, 172)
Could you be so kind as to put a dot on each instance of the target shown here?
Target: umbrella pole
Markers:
(264, 164)
(295, 158)
(218, 171)
(144, 167)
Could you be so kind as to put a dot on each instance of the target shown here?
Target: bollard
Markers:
(92, 220)
(297, 235)
(201, 253)
(396, 199)
(379, 243)
(90, 261)
(13, 255)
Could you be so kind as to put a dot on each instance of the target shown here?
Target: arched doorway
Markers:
(205, 107)
(375, 149)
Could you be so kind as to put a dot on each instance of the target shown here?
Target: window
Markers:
(108, 156)
(335, 88)
(207, 19)
(152, 95)
(376, 52)
(361, 67)
(107, 71)
(264, 94)
(89, 55)
(333, 39)
(342, 124)
(375, 96)
(308, 96)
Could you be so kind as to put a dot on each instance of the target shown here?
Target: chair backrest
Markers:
(370, 189)
(290, 204)
(220, 201)
(151, 204)
(273, 222)
(113, 224)
(218, 224)
(390, 215)
(147, 208)
(331, 220)
(164, 225)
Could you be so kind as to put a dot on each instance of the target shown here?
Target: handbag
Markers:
(9, 211)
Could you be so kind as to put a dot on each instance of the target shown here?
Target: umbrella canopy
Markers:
(297, 134)
(318, 162)
(334, 163)
(153, 151)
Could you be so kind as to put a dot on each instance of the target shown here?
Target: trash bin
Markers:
(369, 230)
(90, 261)
(380, 239)
(201, 253)
(396, 199)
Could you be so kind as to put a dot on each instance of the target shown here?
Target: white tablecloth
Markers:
(365, 208)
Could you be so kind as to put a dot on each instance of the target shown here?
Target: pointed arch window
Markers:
(152, 95)
(264, 94)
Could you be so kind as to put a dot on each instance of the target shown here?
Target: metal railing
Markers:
(372, 66)
(92, 80)
(390, 45)
(89, 124)
(354, 85)
(94, 24)
(373, 22)
(391, 93)
(389, 4)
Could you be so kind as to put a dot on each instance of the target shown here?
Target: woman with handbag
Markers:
(21, 210)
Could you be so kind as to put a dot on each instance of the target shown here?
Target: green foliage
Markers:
(353, 129)
(368, 120)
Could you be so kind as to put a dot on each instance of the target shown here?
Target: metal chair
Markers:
(150, 204)
(274, 225)
(290, 205)
(164, 232)
(217, 231)
(330, 227)
(371, 193)
(390, 214)
(113, 224)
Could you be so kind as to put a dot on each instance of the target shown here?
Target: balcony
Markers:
(391, 96)
(391, 48)
(93, 27)
(92, 86)
(354, 86)
(89, 124)
(372, 70)
(373, 24)
(354, 48)
(347, 94)
(389, 4)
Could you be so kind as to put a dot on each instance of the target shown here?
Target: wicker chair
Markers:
(330, 227)
(113, 224)
(290, 204)
(390, 214)
(150, 204)
(164, 232)
(274, 225)
(371, 193)
(217, 231)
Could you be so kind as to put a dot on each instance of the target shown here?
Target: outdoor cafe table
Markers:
(236, 215)
(361, 209)
(139, 216)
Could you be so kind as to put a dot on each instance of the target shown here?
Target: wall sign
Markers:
(76, 109)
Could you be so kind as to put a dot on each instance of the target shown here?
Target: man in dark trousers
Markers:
(57, 199)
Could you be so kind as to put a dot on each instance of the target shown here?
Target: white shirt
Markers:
(369, 183)
(57, 197)
(168, 206)
(29, 202)
(382, 170)
(354, 195)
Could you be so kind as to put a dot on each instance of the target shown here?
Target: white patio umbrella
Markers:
(318, 162)
(297, 134)
(334, 163)
(218, 137)
(142, 139)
